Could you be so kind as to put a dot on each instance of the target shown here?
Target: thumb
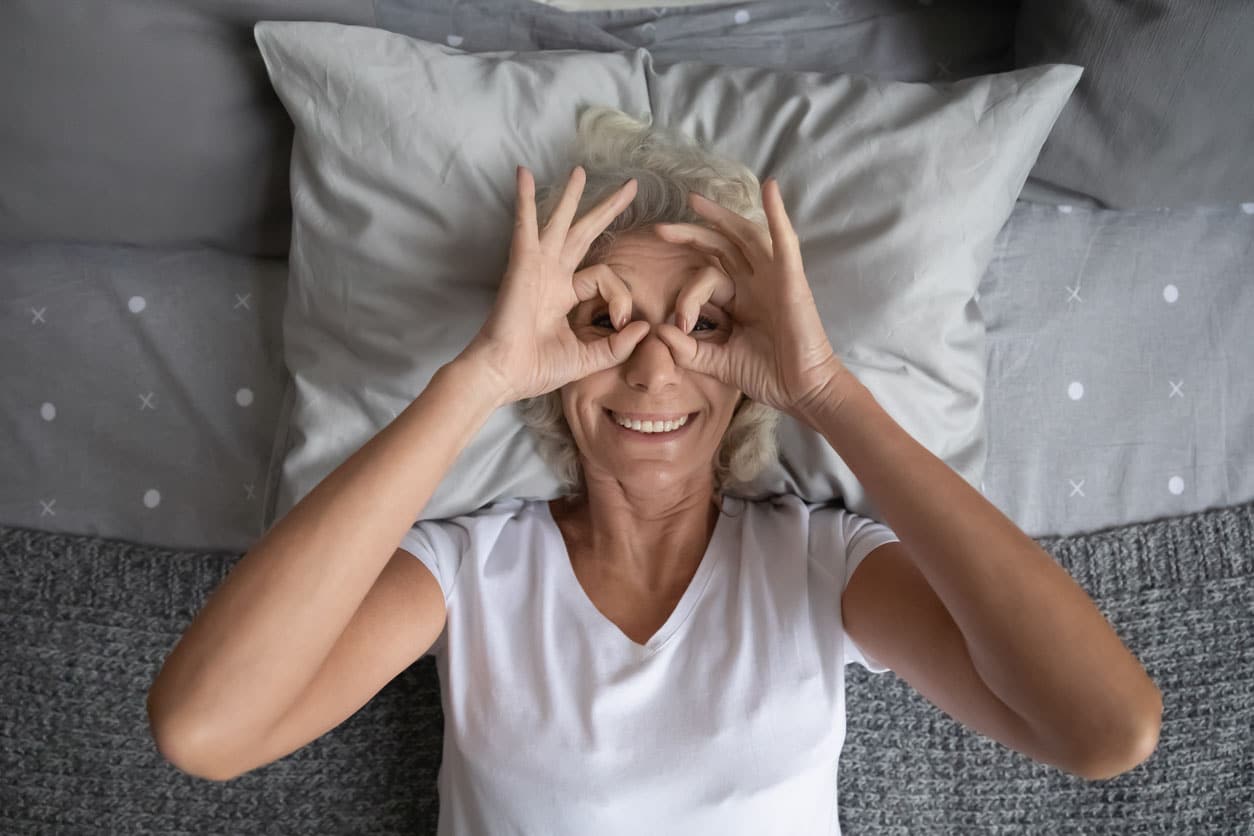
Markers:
(614, 349)
(694, 355)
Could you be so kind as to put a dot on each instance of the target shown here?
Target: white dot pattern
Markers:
(1118, 463)
(159, 411)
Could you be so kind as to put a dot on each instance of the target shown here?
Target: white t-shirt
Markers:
(729, 720)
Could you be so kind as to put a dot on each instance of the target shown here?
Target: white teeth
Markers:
(650, 426)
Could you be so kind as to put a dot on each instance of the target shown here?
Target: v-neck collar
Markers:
(687, 601)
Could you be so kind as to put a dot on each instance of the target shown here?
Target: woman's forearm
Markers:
(1035, 636)
(265, 631)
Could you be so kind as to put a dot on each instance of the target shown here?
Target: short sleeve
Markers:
(837, 530)
(440, 545)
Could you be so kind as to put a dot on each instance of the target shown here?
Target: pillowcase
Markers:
(403, 200)
(1163, 116)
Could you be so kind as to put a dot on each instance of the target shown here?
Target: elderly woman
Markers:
(648, 654)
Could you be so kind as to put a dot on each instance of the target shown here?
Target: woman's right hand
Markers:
(527, 342)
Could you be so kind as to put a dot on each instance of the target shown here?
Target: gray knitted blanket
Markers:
(85, 624)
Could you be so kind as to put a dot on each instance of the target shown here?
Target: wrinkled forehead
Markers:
(652, 268)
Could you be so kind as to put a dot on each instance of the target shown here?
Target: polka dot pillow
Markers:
(403, 203)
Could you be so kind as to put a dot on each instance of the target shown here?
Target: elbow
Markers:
(178, 746)
(1135, 751)
(180, 752)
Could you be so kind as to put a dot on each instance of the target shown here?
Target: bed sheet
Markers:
(145, 390)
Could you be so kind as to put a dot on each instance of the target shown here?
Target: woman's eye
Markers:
(609, 322)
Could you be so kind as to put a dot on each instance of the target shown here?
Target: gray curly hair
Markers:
(612, 146)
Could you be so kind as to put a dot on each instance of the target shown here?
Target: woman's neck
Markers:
(652, 549)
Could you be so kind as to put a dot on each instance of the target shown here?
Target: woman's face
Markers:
(648, 383)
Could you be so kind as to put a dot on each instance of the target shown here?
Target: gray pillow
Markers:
(134, 122)
(1164, 115)
(403, 194)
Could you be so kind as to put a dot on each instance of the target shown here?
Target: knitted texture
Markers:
(85, 624)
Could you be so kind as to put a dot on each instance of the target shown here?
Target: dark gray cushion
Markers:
(1164, 114)
(154, 123)
(146, 123)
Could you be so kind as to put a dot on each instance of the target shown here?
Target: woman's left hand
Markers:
(778, 352)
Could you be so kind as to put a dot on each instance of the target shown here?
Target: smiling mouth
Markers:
(665, 427)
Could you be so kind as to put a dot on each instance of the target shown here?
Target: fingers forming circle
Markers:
(710, 285)
(601, 280)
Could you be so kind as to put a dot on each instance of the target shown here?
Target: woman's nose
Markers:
(650, 365)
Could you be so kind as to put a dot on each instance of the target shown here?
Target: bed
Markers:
(145, 393)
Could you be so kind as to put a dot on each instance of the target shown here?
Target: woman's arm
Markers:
(266, 631)
(263, 634)
(1035, 637)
